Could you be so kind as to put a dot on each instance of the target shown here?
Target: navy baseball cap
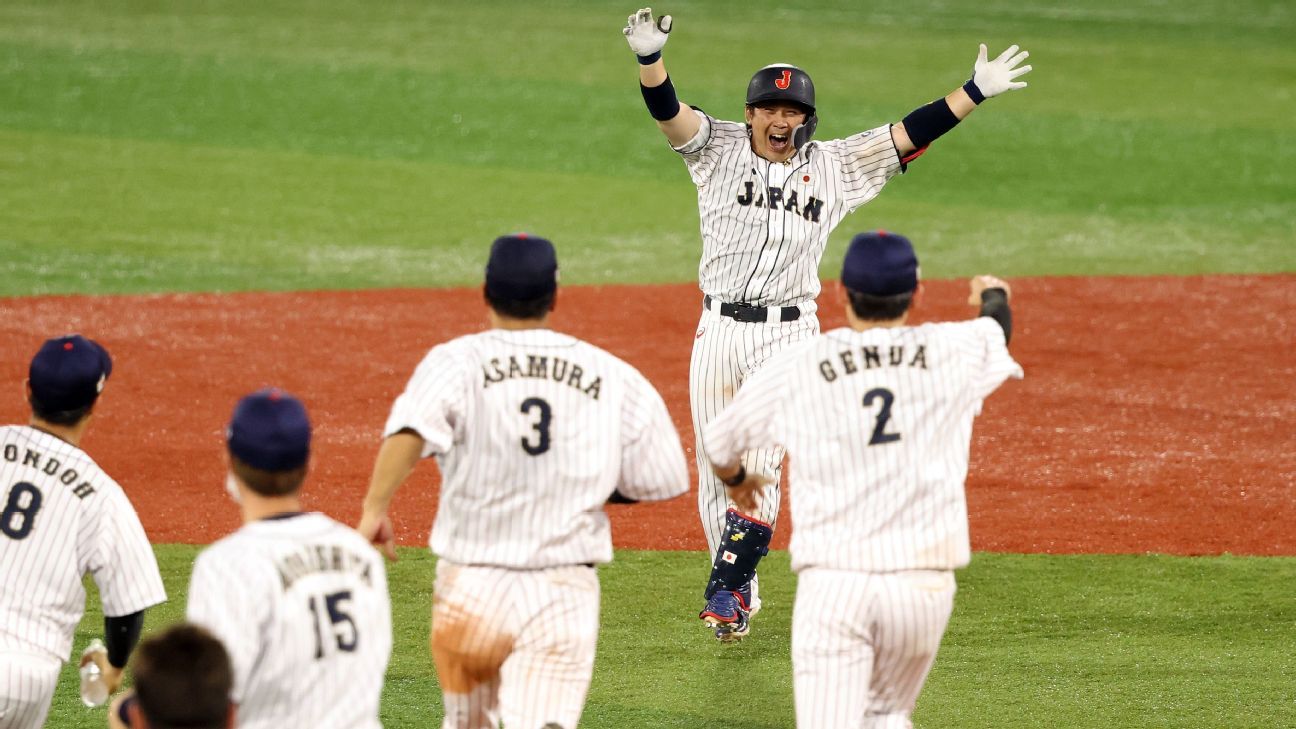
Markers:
(522, 267)
(270, 431)
(68, 373)
(880, 264)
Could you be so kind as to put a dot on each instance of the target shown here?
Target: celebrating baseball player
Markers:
(299, 601)
(878, 416)
(768, 198)
(534, 431)
(62, 517)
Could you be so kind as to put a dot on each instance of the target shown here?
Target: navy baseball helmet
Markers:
(787, 83)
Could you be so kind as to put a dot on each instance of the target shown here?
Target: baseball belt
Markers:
(751, 314)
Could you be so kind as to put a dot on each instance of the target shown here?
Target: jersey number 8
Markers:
(18, 516)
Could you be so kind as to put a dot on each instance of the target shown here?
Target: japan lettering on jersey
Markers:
(62, 517)
(533, 430)
(301, 604)
(879, 426)
(765, 224)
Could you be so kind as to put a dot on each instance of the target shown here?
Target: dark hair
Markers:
(183, 679)
(522, 309)
(268, 483)
(59, 417)
(879, 308)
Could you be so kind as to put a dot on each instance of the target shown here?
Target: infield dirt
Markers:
(1157, 414)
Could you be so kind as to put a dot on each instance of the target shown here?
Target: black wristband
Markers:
(994, 304)
(649, 59)
(927, 123)
(661, 100)
(973, 92)
(737, 478)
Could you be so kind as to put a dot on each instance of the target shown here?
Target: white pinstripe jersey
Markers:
(878, 424)
(533, 430)
(62, 517)
(301, 604)
(765, 224)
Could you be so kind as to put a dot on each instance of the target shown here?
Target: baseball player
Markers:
(299, 600)
(534, 431)
(768, 198)
(878, 417)
(62, 517)
(183, 678)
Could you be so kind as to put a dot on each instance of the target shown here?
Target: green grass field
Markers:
(216, 146)
(273, 145)
(1035, 641)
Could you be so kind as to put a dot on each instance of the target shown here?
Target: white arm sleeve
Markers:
(433, 402)
(702, 153)
(122, 563)
(652, 459)
(868, 160)
(754, 418)
(223, 599)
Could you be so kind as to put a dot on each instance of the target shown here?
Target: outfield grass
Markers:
(1035, 641)
(256, 144)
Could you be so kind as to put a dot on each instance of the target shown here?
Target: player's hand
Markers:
(377, 528)
(112, 675)
(995, 77)
(645, 36)
(746, 496)
(983, 282)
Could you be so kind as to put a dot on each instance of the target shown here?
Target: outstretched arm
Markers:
(646, 39)
(989, 78)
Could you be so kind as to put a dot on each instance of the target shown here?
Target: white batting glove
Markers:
(992, 78)
(644, 36)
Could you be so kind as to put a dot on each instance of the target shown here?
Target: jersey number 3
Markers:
(541, 426)
(880, 435)
(19, 513)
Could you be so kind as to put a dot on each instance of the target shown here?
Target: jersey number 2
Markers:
(18, 517)
(340, 624)
(541, 427)
(880, 435)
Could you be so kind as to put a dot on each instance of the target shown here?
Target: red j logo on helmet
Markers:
(785, 80)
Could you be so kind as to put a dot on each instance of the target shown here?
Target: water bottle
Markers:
(94, 691)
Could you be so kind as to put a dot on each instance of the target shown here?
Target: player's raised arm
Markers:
(989, 78)
(646, 39)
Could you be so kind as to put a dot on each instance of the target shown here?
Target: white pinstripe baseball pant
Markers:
(26, 689)
(514, 645)
(725, 354)
(862, 644)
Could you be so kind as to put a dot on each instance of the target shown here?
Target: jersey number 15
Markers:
(339, 624)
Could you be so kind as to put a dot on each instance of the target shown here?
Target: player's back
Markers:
(529, 427)
(879, 425)
(54, 503)
(300, 602)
